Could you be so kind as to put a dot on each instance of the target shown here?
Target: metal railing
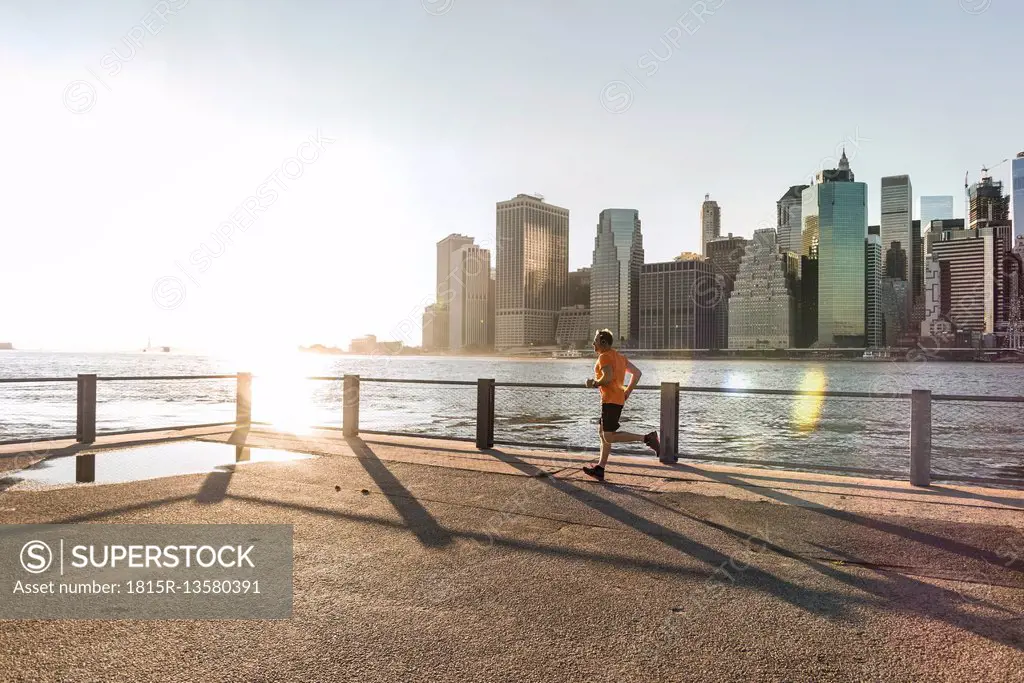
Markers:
(918, 452)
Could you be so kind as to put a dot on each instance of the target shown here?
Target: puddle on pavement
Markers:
(148, 462)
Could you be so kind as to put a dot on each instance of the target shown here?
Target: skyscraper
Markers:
(807, 333)
(894, 300)
(431, 340)
(837, 208)
(491, 301)
(1017, 174)
(446, 250)
(579, 288)
(440, 323)
(915, 302)
(897, 215)
(895, 260)
(469, 287)
(790, 219)
(532, 268)
(615, 274)
(934, 207)
(710, 222)
(986, 204)
(970, 279)
(725, 255)
(679, 301)
(763, 305)
(1013, 299)
(873, 290)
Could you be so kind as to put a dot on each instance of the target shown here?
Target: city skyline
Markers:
(134, 171)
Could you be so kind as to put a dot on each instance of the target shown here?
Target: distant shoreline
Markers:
(998, 356)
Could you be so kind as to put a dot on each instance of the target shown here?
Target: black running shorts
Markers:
(610, 413)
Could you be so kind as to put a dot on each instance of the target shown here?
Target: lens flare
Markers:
(807, 409)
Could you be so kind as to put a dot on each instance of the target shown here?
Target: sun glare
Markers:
(807, 409)
(281, 394)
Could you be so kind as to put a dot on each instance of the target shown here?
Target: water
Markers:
(976, 439)
(149, 462)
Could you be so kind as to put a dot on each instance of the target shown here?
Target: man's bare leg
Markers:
(606, 448)
(608, 438)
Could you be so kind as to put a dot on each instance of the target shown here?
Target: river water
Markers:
(969, 438)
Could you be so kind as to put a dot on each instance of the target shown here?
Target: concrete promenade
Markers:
(419, 559)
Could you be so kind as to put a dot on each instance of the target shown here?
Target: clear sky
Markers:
(120, 166)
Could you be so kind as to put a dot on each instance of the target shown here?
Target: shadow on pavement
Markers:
(416, 517)
(917, 597)
(215, 487)
(813, 601)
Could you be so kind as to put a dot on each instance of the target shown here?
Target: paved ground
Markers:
(428, 560)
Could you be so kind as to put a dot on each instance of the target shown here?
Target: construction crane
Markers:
(984, 172)
(985, 169)
(985, 175)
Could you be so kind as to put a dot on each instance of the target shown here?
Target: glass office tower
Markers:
(837, 207)
(615, 274)
(935, 207)
(897, 214)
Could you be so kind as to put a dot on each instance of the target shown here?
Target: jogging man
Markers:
(610, 372)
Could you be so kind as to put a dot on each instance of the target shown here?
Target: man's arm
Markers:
(634, 377)
(606, 376)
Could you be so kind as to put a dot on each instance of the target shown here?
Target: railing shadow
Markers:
(753, 577)
(917, 597)
(416, 517)
(938, 542)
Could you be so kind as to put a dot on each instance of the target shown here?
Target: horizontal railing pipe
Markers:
(980, 399)
(552, 385)
(455, 382)
(37, 380)
(161, 378)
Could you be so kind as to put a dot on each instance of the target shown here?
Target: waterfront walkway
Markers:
(421, 559)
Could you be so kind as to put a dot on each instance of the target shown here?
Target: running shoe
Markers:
(652, 442)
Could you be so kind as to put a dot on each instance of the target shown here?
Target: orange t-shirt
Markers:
(616, 391)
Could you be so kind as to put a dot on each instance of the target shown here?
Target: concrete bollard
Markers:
(350, 406)
(920, 437)
(669, 430)
(86, 422)
(485, 413)
(243, 399)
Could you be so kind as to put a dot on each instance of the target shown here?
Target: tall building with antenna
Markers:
(710, 222)
(835, 210)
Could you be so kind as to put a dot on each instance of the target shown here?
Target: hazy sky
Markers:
(134, 131)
